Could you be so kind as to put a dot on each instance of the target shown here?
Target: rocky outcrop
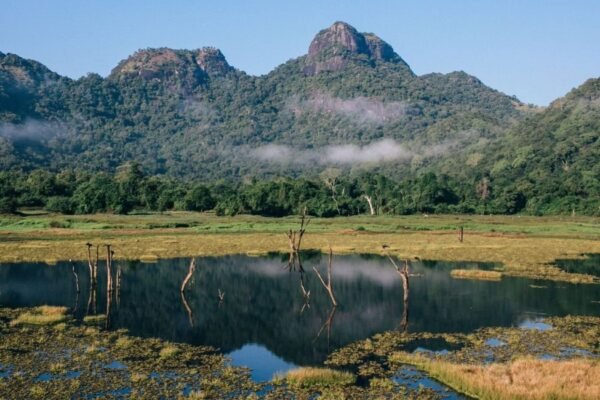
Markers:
(333, 48)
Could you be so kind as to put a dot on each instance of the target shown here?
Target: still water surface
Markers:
(262, 321)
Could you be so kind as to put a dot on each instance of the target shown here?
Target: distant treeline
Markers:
(328, 195)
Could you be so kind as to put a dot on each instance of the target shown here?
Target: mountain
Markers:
(189, 113)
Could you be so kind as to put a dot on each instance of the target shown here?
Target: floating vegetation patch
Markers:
(39, 361)
(476, 274)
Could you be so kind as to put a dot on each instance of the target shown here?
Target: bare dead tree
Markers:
(404, 274)
(93, 264)
(370, 202)
(295, 242)
(328, 286)
(187, 278)
(461, 233)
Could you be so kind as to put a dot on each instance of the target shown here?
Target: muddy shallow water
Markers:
(262, 320)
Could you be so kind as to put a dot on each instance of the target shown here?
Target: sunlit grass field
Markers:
(526, 246)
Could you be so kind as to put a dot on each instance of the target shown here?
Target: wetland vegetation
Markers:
(248, 325)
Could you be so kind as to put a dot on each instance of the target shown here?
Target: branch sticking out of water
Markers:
(187, 278)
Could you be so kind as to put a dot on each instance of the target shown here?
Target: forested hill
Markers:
(189, 113)
(351, 107)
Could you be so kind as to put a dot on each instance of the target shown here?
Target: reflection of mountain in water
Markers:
(263, 300)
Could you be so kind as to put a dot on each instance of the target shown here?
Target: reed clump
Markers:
(311, 376)
(43, 315)
(522, 378)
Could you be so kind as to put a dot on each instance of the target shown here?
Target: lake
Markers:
(262, 320)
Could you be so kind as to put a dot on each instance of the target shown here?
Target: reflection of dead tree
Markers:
(295, 242)
(75, 276)
(305, 294)
(108, 307)
(188, 309)
(191, 270)
(404, 322)
(91, 305)
(327, 325)
(109, 260)
(118, 286)
(221, 295)
(109, 282)
(328, 285)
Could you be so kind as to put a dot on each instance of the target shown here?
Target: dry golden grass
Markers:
(43, 315)
(523, 378)
(311, 376)
(476, 274)
(522, 254)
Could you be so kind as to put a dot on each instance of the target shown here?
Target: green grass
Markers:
(210, 223)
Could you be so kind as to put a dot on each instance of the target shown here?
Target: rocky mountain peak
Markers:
(189, 66)
(212, 61)
(334, 47)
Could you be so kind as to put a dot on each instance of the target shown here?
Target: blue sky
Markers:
(535, 49)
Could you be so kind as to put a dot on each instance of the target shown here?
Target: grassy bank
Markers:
(526, 246)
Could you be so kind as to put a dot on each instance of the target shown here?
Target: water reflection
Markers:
(263, 306)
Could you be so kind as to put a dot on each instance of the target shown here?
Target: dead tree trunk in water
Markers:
(109, 259)
(295, 242)
(404, 275)
(370, 202)
(328, 285)
(191, 270)
(93, 266)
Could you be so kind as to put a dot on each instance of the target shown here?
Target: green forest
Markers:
(332, 194)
